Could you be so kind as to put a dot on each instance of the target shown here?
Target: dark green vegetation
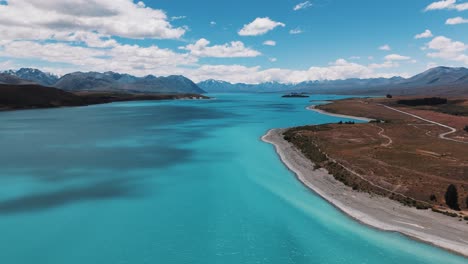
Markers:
(457, 107)
(346, 123)
(36, 96)
(451, 198)
(423, 101)
(308, 146)
(451, 214)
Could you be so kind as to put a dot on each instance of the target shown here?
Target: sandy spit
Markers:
(313, 108)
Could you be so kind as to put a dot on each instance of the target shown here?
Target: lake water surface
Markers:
(173, 182)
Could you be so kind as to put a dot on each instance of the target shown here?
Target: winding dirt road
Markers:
(442, 136)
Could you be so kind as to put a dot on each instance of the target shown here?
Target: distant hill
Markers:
(11, 79)
(34, 76)
(216, 86)
(335, 85)
(36, 96)
(435, 81)
(439, 76)
(108, 81)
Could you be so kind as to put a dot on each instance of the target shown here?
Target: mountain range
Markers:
(435, 81)
(108, 81)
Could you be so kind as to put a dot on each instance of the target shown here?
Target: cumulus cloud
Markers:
(456, 21)
(121, 58)
(385, 47)
(426, 34)
(447, 4)
(42, 19)
(269, 43)
(445, 48)
(71, 35)
(385, 65)
(233, 49)
(273, 59)
(302, 5)
(259, 26)
(91, 39)
(339, 69)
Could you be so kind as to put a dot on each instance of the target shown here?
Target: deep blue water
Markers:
(173, 182)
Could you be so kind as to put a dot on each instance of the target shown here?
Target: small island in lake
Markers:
(295, 95)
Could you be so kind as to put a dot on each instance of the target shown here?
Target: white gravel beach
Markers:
(376, 211)
(313, 108)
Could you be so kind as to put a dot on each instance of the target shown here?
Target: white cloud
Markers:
(122, 58)
(384, 65)
(385, 47)
(447, 4)
(71, 35)
(426, 34)
(141, 61)
(7, 65)
(178, 17)
(302, 5)
(391, 61)
(447, 49)
(89, 38)
(354, 58)
(444, 4)
(234, 49)
(340, 69)
(42, 19)
(295, 31)
(269, 43)
(456, 21)
(259, 26)
(396, 57)
(212, 23)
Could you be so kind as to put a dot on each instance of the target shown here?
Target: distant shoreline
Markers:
(375, 211)
(26, 97)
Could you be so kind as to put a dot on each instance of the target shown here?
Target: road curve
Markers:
(442, 136)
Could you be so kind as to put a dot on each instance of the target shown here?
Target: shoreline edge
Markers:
(374, 211)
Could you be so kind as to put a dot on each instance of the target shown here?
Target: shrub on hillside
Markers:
(451, 197)
(423, 101)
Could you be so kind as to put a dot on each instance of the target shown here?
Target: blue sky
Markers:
(205, 39)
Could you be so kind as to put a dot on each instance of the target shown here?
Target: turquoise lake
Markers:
(173, 182)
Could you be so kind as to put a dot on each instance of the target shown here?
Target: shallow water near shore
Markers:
(173, 182)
